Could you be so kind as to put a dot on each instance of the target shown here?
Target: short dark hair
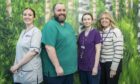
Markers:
(31, 10)
(87, 14)
(55, 6)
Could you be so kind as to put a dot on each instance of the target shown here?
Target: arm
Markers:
(118, 51)
(23, 61)
(97, 57)
(34, 49)
(53, 57)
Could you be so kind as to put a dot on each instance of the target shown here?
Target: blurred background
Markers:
(125, 12)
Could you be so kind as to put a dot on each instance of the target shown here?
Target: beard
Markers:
(59, 18)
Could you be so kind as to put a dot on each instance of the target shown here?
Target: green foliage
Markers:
(128, 24)
(10, 28)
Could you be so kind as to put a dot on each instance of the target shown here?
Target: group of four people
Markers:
(54, 51)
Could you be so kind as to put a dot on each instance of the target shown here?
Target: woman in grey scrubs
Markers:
(27, 68)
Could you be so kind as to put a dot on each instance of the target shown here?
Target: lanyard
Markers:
(83, 47)
(106, 35)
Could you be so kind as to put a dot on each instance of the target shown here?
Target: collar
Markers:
(106, 29)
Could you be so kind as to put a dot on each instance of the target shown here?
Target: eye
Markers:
(24, 14)
(59, 10)
(89, 18)
(64, 10)
(104, 18)
(30, 14)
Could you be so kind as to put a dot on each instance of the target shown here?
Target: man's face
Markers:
(60, 13)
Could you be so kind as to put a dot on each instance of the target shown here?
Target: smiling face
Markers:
(60, 13)
(28, 16)
(87, 20)
(105, 21)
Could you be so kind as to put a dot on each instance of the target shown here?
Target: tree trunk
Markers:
(139, 27)
(8, 8)
(47, 10)
(127, 5)
(94, 10)
(83, 7)
(35, 1)
(70, 6)
(131, 5)
(117, 9)
(108, 5)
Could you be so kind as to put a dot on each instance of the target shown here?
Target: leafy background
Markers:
(10, 28)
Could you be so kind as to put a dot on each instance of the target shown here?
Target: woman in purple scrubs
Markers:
(89, 45)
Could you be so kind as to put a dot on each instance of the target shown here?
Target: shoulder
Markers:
(67, 24)
(95, 30)
(36, 29)
(49, 26)
(50, 23)
(117, 31)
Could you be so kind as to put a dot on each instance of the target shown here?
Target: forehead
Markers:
(105, 15)
(28, 11)
(86, 16)
(59, 6)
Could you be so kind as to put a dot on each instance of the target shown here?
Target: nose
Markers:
(62, 11)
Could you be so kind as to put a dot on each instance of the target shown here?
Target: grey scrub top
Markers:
(31, 72)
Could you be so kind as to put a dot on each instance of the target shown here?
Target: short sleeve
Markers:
(36, 41)
(49, 35)
(97, 37)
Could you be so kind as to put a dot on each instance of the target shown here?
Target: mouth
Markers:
(62, 15)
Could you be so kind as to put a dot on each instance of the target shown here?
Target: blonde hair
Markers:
(110, 17)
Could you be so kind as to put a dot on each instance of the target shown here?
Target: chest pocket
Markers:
(26, 39)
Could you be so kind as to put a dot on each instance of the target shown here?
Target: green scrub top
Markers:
(63, 39)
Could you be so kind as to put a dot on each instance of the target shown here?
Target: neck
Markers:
(88, 28)
(29, 26)
(106, 28)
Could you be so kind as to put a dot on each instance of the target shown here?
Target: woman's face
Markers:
(105, 21)
(28, 17)
(87, 21)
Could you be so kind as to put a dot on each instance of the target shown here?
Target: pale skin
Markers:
(105, 22)
(28, 19)
(97, 57)
(59, 11)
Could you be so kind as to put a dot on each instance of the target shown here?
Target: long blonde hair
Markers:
(110, 17)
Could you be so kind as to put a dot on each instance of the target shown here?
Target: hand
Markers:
(112, 73)
(14, 68)
(59, 71)
(94, 71)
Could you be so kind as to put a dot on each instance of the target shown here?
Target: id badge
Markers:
(83, 47)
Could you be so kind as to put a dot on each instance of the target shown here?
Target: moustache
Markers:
(63, 15)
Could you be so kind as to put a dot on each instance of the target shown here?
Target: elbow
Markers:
(33, 53)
